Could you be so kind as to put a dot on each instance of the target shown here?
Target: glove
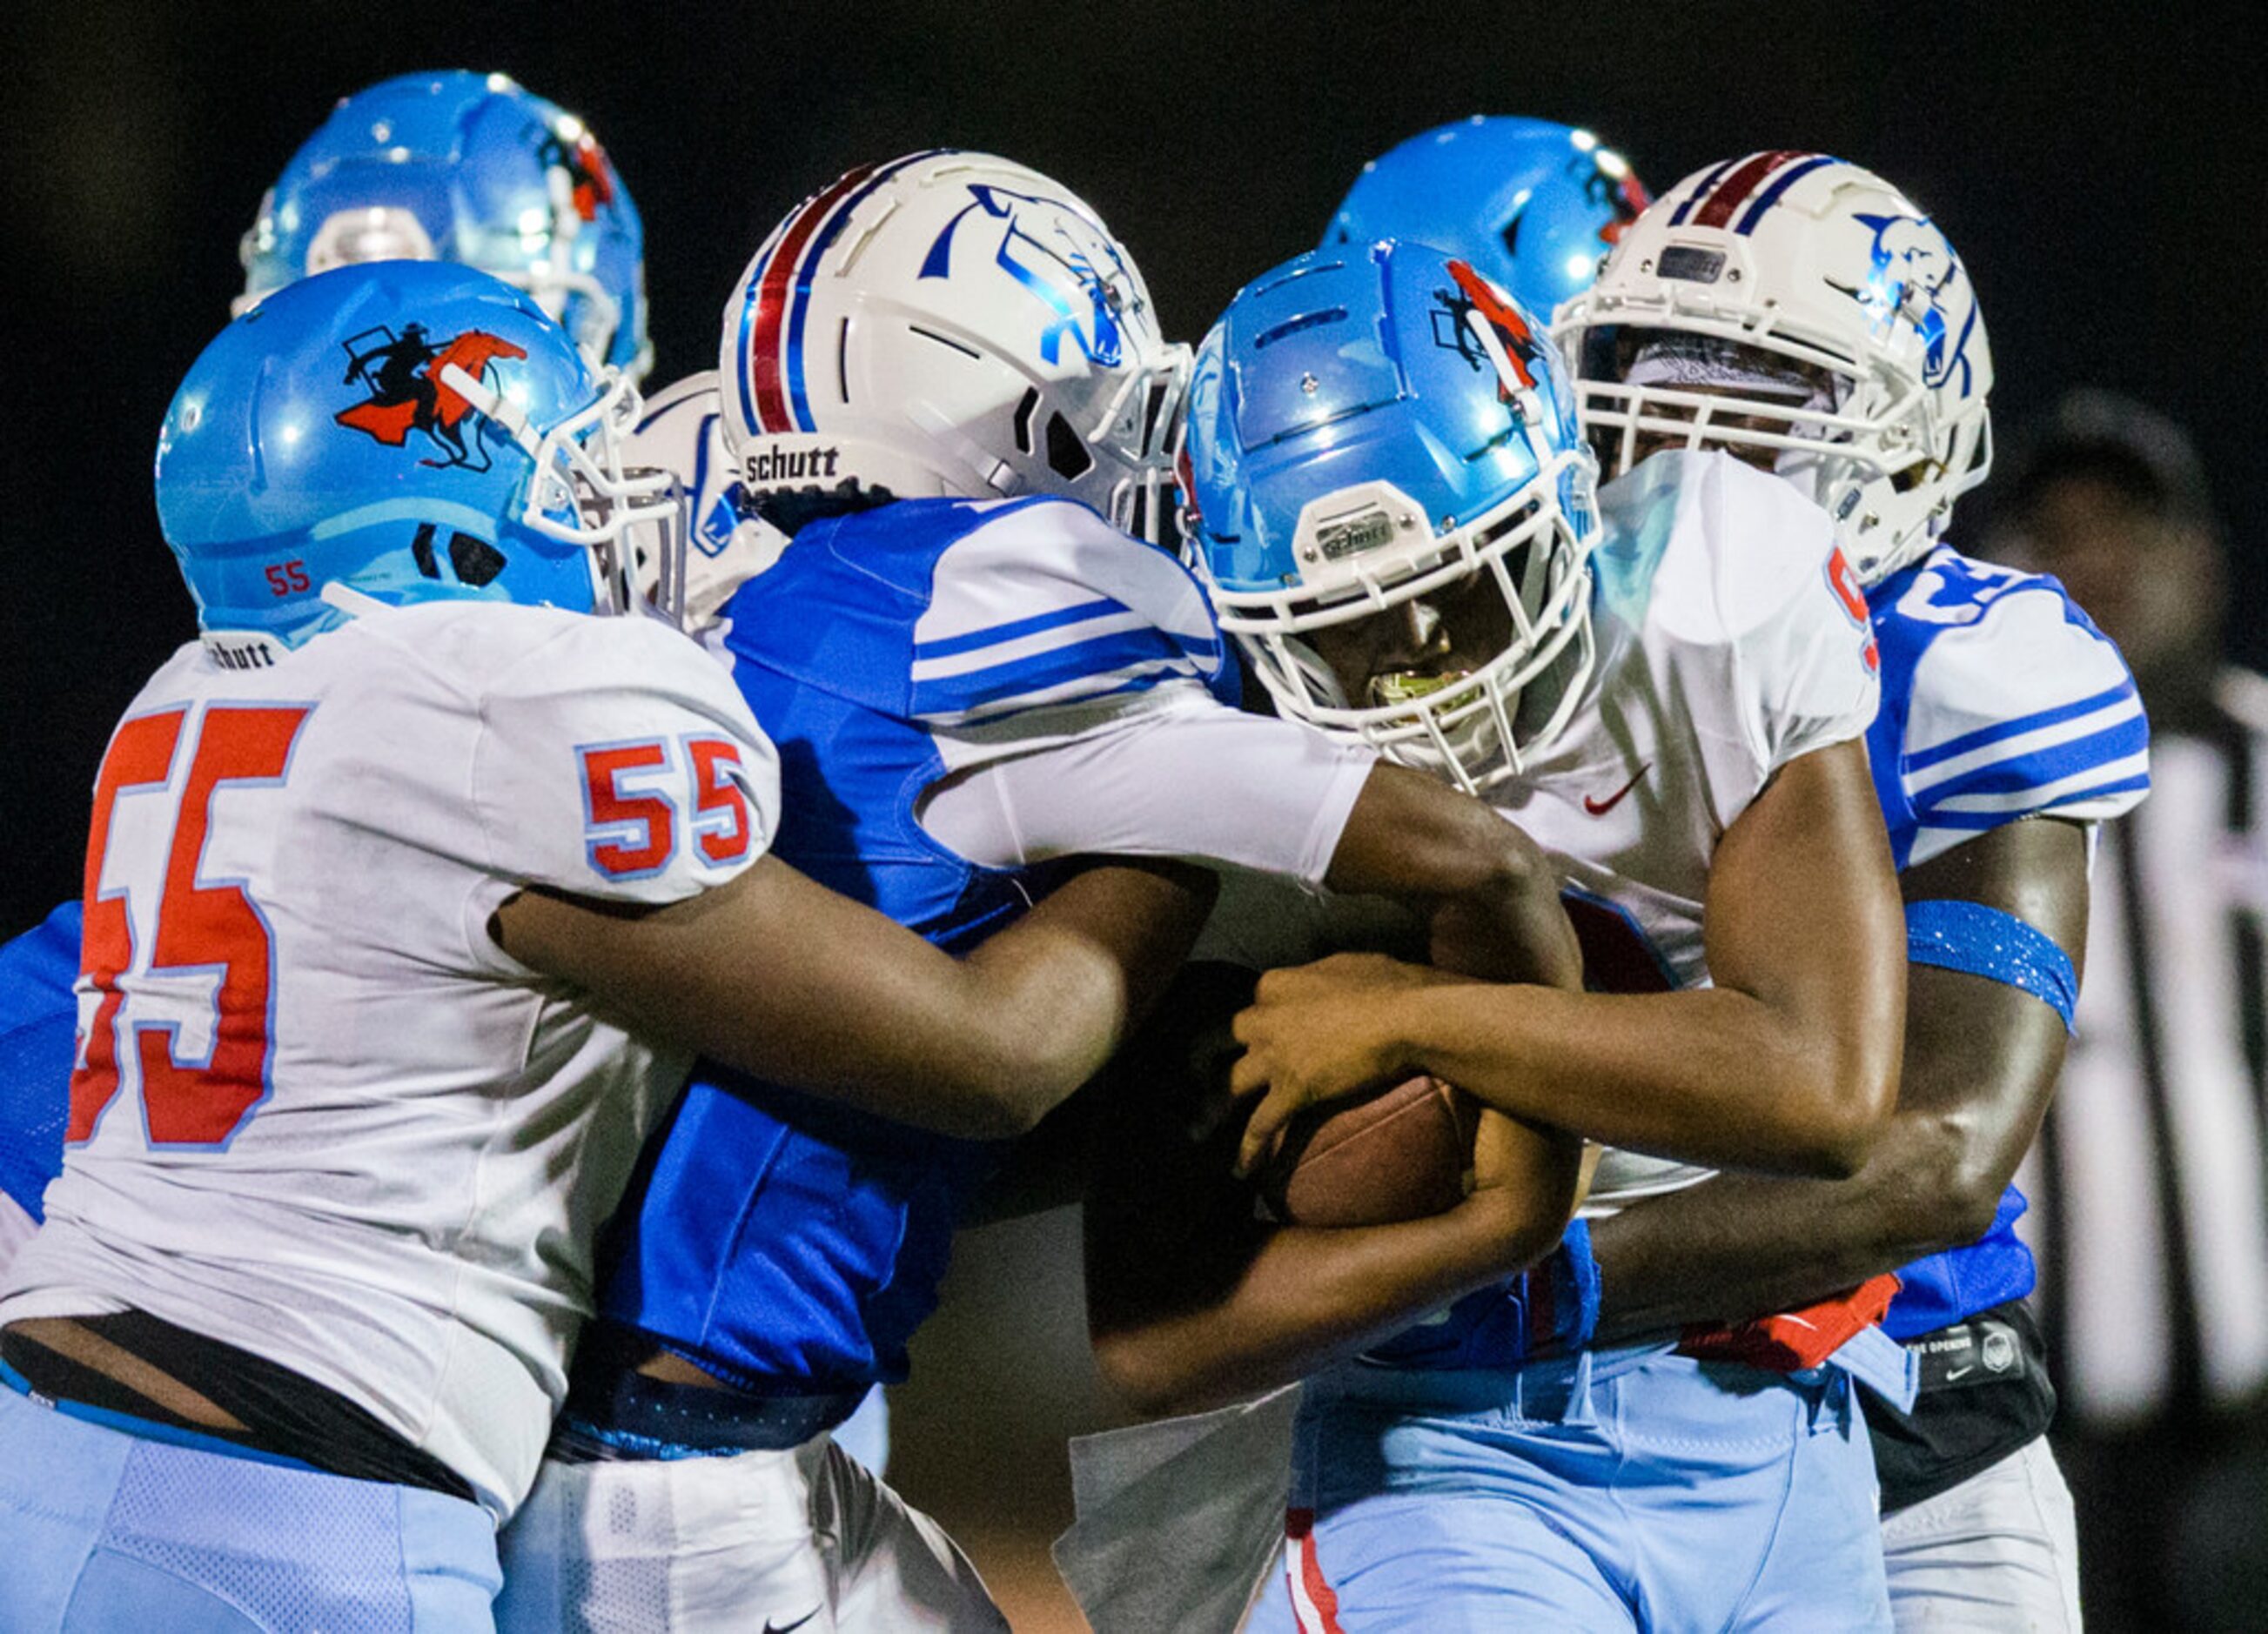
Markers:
(1794, 1340)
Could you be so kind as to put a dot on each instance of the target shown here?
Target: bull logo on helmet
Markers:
(402, 374)
(1080, 276)
(1915, 275)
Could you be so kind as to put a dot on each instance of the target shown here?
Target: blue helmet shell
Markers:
(1371, 426)
(1531, 203)
(1355, 365)
(468, 167)
(312, 443)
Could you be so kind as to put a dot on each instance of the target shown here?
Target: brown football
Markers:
(1398, 1154)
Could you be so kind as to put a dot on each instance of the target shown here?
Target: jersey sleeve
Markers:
(1175, 773)
(39, 1023)
(1771, 614)
(617, 759)
(1046, 608)
(2017, 707)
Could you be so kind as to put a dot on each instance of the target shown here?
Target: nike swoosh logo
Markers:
(771, 1627)
(1600, 808)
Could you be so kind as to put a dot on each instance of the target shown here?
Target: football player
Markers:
(445, 167)
(411, 889)
(1666, 682)
(1804, 315)
(943, 402)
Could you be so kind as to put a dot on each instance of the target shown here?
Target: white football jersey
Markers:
(318, 1113)
(1732, 638)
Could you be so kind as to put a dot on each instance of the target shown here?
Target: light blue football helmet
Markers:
(1532, 204)
(1371, 427)
(392, 434)
(466, 167)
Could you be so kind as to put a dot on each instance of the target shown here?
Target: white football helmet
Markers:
(1794, 303)
(949, 324)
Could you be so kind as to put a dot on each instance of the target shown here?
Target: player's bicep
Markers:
(1984, 1036)
(1802, 908)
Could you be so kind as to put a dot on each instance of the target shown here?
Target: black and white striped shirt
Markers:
(2150, 1179)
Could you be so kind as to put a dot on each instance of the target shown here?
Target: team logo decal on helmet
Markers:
(1615, 187)
(405, 376)
(1455, 329)
(1099, 341)
(590, 178)
(1915, 264)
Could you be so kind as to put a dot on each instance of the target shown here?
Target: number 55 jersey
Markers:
(317, 1112)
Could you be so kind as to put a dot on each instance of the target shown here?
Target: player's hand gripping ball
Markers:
(1343, 1136)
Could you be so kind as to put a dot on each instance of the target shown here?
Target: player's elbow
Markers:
(1948, 1180)
(1846, 1108)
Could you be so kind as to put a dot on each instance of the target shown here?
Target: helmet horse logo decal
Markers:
(1025, 258)
(1916, 274)
(402, 375)
(1476, 297)
(590, 176)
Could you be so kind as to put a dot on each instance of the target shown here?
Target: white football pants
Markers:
(805, 1540)
(1996, 1554)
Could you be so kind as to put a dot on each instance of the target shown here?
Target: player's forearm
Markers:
(1745, 1245)
(1051, 997)
(1493, 894)
(1981, 1062)
(1308, 1297)
(1711, 1076)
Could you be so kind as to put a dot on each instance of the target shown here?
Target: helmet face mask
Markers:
(470, 168)
(1440, 640)
(1711, 314)
(1323, 468)
(951, 324)
(394, 433)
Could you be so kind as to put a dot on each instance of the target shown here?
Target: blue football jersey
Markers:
(782, 1241)
(39, 1025)
(2000, 701)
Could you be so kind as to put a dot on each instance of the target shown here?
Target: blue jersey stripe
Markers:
(1769, 196)
(2023, 723)
(2042, 767)
(1097, 658)
(997, 635)
(1983, 821)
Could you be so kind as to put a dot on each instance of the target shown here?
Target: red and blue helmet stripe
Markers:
(769, 363)
(1758, 181)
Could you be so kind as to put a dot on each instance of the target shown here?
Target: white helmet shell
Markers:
(1813, 262)
(951, 324)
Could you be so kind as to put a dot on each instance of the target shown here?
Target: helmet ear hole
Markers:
(477, 560)
(1024, 412)
(1067, 455)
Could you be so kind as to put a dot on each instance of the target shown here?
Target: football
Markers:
(1398, 1154)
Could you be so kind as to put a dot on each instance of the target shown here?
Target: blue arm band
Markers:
(1977, 941)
